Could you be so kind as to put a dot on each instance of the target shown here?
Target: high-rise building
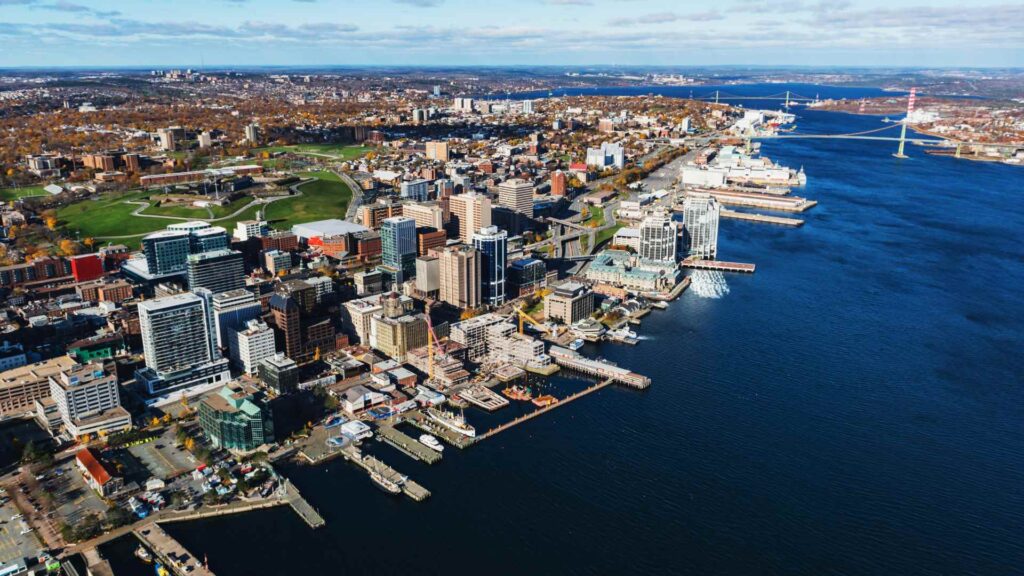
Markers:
(517, 195)
(252, 134)
(245, 229)
(88, 399)
(527, 106)
(437, 150)
(492, 244)
(569, 303)
(205, 140)
(398, 245)
(460, 276)
(609, 155)
(250, 345)
(416, 190)
(700, 221)
(559, 183)
(394, 331)
(279, 373)
(428, 276)
(166, 252)
(470, 212)
(428, 239)
(276, 261)
(428, 215)
(178, 344)
(169, 138)
(658, 237)
(231, 311)
(218, 271)
(236, 418)
(525, 276)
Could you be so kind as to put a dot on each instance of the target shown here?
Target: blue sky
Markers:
(480, 32)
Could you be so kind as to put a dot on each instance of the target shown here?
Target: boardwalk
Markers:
(305, 511)
(545, 409)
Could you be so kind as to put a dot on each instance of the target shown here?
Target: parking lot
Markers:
(162, 457)
(72, 497)
(15, 545)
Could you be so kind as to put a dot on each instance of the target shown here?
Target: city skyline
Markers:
(551, 32)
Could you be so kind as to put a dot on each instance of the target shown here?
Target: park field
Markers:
(336, 151)
(7, 194)
(323, 198)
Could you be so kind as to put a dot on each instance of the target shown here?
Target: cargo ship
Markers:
(452, 421)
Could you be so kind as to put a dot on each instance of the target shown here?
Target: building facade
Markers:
(492, 245)
(700, 220)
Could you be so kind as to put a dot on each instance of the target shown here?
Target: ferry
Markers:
(142, 554)
(576, 344)
(517, 393)
(452, 421)
(431, 442)
(385, 484)
(625, 333)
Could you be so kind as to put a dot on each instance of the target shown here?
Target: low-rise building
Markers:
(569, 303)
(236, 418)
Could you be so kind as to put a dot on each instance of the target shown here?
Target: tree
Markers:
(117, 517)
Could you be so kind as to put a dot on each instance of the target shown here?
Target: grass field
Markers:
(22, 192)
(326, 197)
(196, 212)
(337, 151)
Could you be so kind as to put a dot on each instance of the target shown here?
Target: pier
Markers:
(601, 368)
(698, 264)
(373, 465)
(170, 552)
(780, 220)
(756, 200)
(419, 420)
(483, 398)
(308, 514)
(407, 445)
(545, 409)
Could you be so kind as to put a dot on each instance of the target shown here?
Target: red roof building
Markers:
(96, 474)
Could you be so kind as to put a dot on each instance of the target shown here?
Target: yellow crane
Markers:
(526, 317)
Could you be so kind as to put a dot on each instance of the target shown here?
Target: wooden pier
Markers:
(419, 420)
(600, 368)
(545, 409)
(308, 514)
(780, 220)
(407, 445)
(373, 465)
(170, 552)
(698, 264)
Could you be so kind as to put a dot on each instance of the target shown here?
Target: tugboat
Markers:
(517, 392)
(385, 484)
(142, 554)
(452, 421)
(545, 400)
(431, 442)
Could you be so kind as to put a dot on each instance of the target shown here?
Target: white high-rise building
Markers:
(88, 400)
(251, 345)
(517, 195)
(471, 212)
(658, 237)
(700, 219)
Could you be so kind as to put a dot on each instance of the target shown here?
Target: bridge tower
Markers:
(716, 96)
(903, 131)
(787, 99)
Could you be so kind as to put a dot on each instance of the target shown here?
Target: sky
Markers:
(198, 33)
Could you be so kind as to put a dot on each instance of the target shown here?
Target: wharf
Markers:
(601, 368)
(547, 370)
(420, 420)
(373, 465)
(301, 507)
(315, 448)
(756, 200)
(408, 445)
(780, 220)
(95, 564)
(224, 510)
(671, 295)
(484, 398)
(698, 264)
(508, 373)
(170, 552)
(545, 409)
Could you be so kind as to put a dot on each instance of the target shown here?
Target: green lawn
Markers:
(108, 216)
(607, 234)
(338, 151)
(596, 217)
(199, 213)
(326, 197)
(22, 192)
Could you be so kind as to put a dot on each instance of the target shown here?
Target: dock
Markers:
(780, 220)
(407, 445)
(757, 200)
(373, 465)
(301, 507)
(484, 398)
(600, 368)
(419, 420)
(699, 264)
(170, 552)
(548, 408)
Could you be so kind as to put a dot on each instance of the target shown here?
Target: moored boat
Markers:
(431, 442)
(452, 421)
(385, 484)
(142, 554)
(545, 400)
(517, 392)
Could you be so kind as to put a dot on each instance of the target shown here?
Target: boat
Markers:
(431, 442)
(142, 554)
(576, 344)
(160, 570)
(517, 392)
(625, 333)
(385, 484)
(545, 400)
(452, 421)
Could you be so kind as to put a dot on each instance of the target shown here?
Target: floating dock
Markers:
(409, 446)
(484, 398)
(547, 408)
(780, 220)
(601, 368)
(698, 264)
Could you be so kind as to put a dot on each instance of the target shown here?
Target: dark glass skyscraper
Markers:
(492, 243)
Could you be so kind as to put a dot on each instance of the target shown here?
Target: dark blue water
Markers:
(855, 407)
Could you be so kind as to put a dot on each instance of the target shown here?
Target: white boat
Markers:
(576, 344)
(385, 484)
(431, 442)
(625, 333)
(452, 421)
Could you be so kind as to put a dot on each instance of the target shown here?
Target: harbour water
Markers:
(854, 407)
